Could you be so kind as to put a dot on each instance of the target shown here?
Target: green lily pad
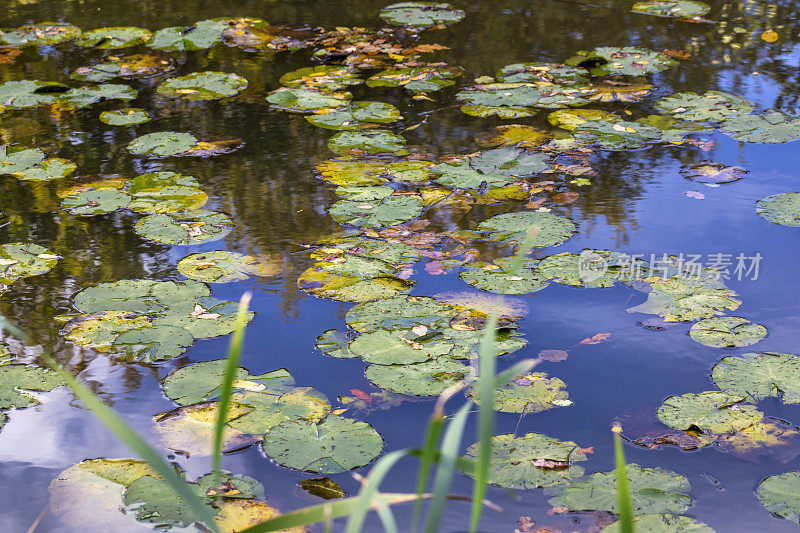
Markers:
(531, 461)
(760, 375)
(622, 61)
(664, 522)
(617, 135)
(323, 77)
(200, 382)
(221, 266)
(371, 142)
(208, 85)
(86, 96)
(352, 173)
(771, 126)
(400, 312)
(513, 228)
(375, 209)
(711, 106)
(398, 347)
(712, 173)
(208, 318)
(497, 168)
(416, 79)
(304, 100)
(778, 495)
(88, 495)
(99, 330)
(96, 198)
(783, 209)
(22, 260)
(269, 410)
(162, 144)
(335, 343)
(519, 135)
(682, 299)
(498, 278)
(154, 343)
(548, 73)
(125, 117)
(188, 228)
(421, 14)
(165, 192)
(615, 90)
(114, 38)
(29, 93)
(189, 430)
(141, 296)
(358, 115)
(589, 268)
(409, 171)
(570, 119)
(200, 36)
(128, 67)
(652, 490)
(680, 9)
(19, 382)
(48, 170)
(532, 393)
(44, 34)
(336, 444)
(516, 100)
(709, 412)
(727, 332)
(17, 159)
(322, 283)
(429, 378)
(323, 487)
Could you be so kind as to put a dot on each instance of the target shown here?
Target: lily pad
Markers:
(661, 523)
(189, 430)
(322, 283)
(549, 229)
(375, 208)
(221, 266)
(652, 490)
(17, 158)
(22, 260)
(87, 96)
(519, 135)
(416, 79)
(770, 437)
(125, 117)
(371, 142)
(200, 36)
(778, 495)
(398, 347)
(590, 268)
(680, 9)
(141, 296)
(617, 135)
(400, 312)
(128, 67)
(532, 393)
(682, 299)
(531, 461)
(188, 228)
(44, 34)
(548, 73)
(498, 278)
(113, 38)
(29, 93)
(19, 383)
(783, 209)
(165, 192)
(336, 444)
(516, 100)
(352, 173)
(711, 106)
(88, 495)
(429, 378)
(204, 318)
(624, 61)
(154, 343)
(324, 77)
(96, 198)
(358, 115)
(208, 85)
(771, 127)
(570, 119)
(98, 330)
(162, 144)
(496, 168)
(323, 487)
(710, 412)
(335, 343)
(421, 14)
(712, 173)
(50, 169)
(616, 90)
(760, 375)
(304, 100)
(727, 332)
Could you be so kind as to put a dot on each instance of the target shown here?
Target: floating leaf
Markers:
(162, 144)
(514, 134)
(625, 61)
(95, 198)
(616, 90)
(335, 343)
(710, 412)
(221, 266)
(590, 268)
(374, 207)
(398, 347)
(543, 74)
(188, 228)
(770, 437)
(48, 170)
(727, 332)
(324, 77)
(113, 38)
(661, 523)
(22, 260)
(99, 329)
(351, 288)
(516, 100)
(416, 79)
(778, 495)
(514, 460)
(200, 36)
(323, 487)
(16, 158)
(204, 318)
(154, 343)
(771, 126)
(86, 96)
(141, 296)
(371, 142)
(29, 93)
(652, 490)
(19, 383)
(356, 116)
(783, 209)
(617, 135)
(336, 444)
(352, 173)
(679, 9)
(303, 100)
(129, 67)
(712, 173)
(421, 14)
(496, 277)
(532, 393)
(495, 168)
(429, 378)
(165, 192)
(44, 34)
(208, 85)
(189, 430)
(400, 312)
(681, 299)
(125, 117)
(570, 119)
(549, 229)
(760, 375)
(711, 106)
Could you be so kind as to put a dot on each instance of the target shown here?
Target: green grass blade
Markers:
(385, 514)
(370, 488)
(624, 505)
(226, 388)
(449, 454)
(428, 456)
(127, 435)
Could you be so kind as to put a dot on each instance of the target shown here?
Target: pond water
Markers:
(633, 201)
